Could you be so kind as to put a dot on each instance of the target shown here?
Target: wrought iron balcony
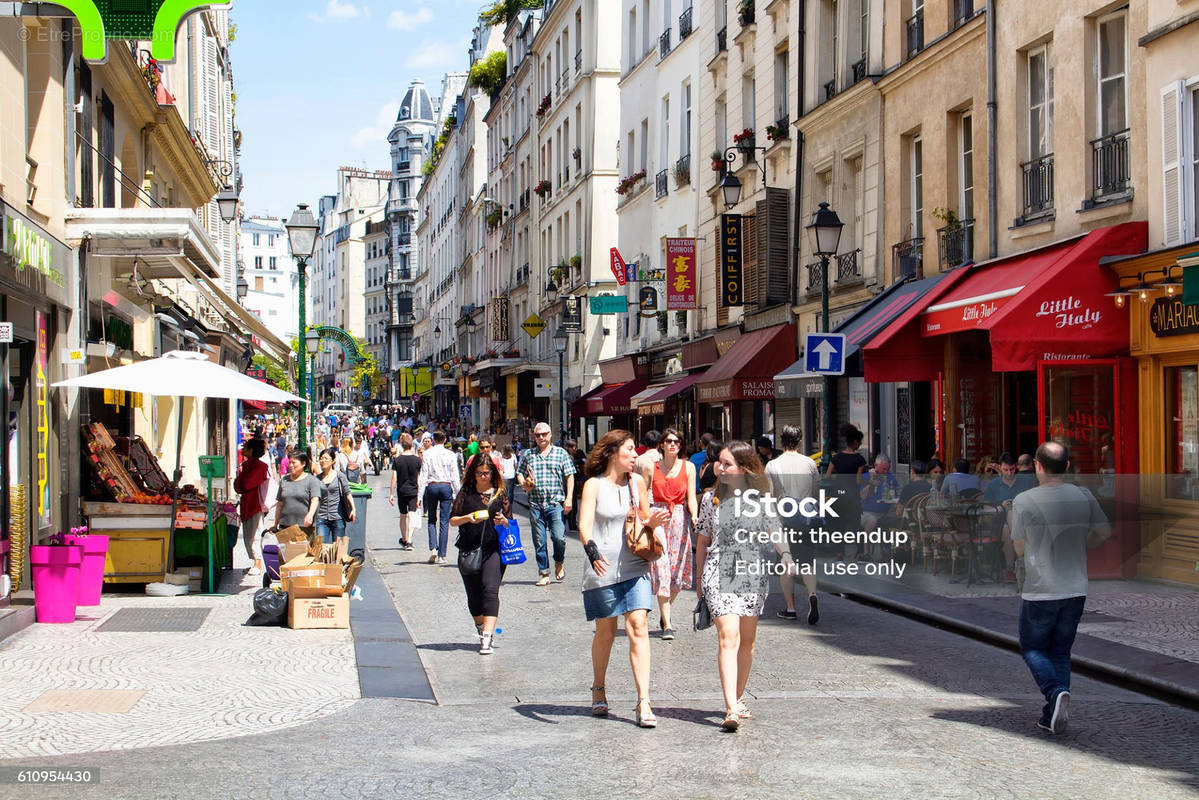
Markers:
(578, 61)
(830, 89)
(1109, 166)
(405, 239)
(915, 33)
(1038, 187)
(685, 24)
(813, 283)
(907, 258)
(849, 267)
(859, 70)
(682, 170)
(661, 187)
(955, 243)
(722, 40)
(664, 44)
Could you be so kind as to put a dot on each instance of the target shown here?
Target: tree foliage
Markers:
(502, 12)
(274, 373)
(489, 72)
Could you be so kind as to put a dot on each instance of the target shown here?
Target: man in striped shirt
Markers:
(436, 488)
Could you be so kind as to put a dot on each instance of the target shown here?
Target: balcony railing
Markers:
(813, 283)
(578, 61)
(962, 11)
(1109, 166)
(907, 258)
(746, 15)
(859, 70)
(684, 24)
(664, 44)
(849, 267)
(1038, 187)
(955, 243)
(682, 170)
(405, 239)
(722, 40)
(830, 89)
(915, 33)
(661, 187)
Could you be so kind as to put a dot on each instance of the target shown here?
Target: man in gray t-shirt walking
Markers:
(1053, 524)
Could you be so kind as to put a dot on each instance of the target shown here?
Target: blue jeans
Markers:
(330, 529)
(1047, 629)
(542, 517)
(438, 500)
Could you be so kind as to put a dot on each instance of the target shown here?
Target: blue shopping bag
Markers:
(511, 549)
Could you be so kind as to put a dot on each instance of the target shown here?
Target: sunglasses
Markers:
(672, 441)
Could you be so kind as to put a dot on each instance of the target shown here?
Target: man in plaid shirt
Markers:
(547, 474)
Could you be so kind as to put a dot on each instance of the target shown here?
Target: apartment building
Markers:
(272, 282)
(376, 243)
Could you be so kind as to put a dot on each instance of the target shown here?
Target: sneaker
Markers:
(544, 580)
(432, 556)
(254, 571)
(787, 614)
(813, 610)
(1061, 713)
(1043, 725)
(441, 559)
(485, 644)
(668, 634)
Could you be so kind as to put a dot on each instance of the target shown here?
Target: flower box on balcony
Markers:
(544, 106)
(512, 354)
(542, 189)
(776, 132)
(627, 184)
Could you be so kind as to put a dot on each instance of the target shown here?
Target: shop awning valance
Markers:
(1045, 305)
(747, 370)
(656, 402)
(610, 399)
(637, 400)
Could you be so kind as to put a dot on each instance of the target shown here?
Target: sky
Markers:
(319, 86)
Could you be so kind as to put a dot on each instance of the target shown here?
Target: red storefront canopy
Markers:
(656, 403)
(612, 399)
(747, 370)
(1047, 305)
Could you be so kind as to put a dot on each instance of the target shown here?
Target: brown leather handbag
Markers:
(641, 539)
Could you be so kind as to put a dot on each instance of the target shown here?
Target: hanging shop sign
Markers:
(682, 290)
(618, 267)
(34, 260)
(647, 301)
(5, 333)
(572, 314)
(730, 260)
(609, 304)
(1170, 316)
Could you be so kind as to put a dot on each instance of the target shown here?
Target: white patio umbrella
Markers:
(182, 374)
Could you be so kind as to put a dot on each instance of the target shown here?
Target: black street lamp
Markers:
(301, 238)
(561, 339)
(825, 230)
(730, 184)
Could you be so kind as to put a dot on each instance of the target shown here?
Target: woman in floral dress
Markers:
(727, 543)
(672, 484)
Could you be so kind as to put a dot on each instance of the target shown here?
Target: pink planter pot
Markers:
(91, 571)
(55, 573)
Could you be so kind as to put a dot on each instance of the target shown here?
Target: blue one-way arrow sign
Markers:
(825, 353)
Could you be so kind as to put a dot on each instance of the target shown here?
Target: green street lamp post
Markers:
(301, 238)
(825, 230)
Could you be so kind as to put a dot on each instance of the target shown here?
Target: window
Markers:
(781, 87)
(685, 126)
(1180, 160)
(258, 284)
(633, 38)
(645, 145)
(257, 237)
(916, 188)
(403, 190)
(257, 262)
(748, 102)
(965, 166)
(645, 28)
(664, 134)
(273, 263)
(864, 27)
(1194, 141)
(1182, 432)
(270, 240)
(722, 125)
(1040, 103)
(630, 160)
(1112, 54)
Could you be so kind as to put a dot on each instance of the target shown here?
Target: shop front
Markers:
(1025, 349)
(736, 395)
(609, 405)
(1164, 341)
(35, 302)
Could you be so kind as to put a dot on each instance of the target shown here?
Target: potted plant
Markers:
(513, 353)
(543, 106)
(577, 154)
(776, 132)
(91, 569)
(745, 12)
(717, 160)
(490, 354)
(542, 188)
(55, 572)
(627, 185)
(494, 218)
(682, 175)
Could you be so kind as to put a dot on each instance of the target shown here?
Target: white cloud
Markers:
(406, 21)
(337, 10)
(437, 56)
(374, 136)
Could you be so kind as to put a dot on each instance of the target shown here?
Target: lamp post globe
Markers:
(825, 231)
(730, 189)
(226, 201)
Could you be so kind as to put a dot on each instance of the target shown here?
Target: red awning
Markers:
(1047, 305)
(656, 403)
(612, 399)
(747, 370)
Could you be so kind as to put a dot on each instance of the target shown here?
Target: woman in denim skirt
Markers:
(615, 581)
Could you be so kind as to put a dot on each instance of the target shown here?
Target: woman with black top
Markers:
(405, 472)
(707, 473)
(480, 507)
(846, 469)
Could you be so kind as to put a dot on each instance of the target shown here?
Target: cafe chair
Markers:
(937, 539)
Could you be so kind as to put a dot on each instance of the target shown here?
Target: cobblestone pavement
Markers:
(220, 681)
(865, 704)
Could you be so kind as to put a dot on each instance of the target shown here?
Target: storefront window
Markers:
(1182, 432)
(1080, 412)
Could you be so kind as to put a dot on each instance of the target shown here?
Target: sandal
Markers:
(599, 708)
(646, 720)
(731, 722)
(743, 711)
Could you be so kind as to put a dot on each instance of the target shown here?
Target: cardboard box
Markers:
(293, 533)
(291, 550)
(325, 612)
(195, 578)
(304, 578)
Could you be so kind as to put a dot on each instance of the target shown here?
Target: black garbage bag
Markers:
(270, 608)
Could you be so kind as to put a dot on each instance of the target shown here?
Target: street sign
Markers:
(464, 410)
(5, 333)
(609, 304)
(415, 398)
(337, 384)
(825, 353)
(533, 326)
(618, 267)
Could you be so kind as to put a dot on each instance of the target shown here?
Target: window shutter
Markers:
(773, 279)
(1173, 147)
(751, 224)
